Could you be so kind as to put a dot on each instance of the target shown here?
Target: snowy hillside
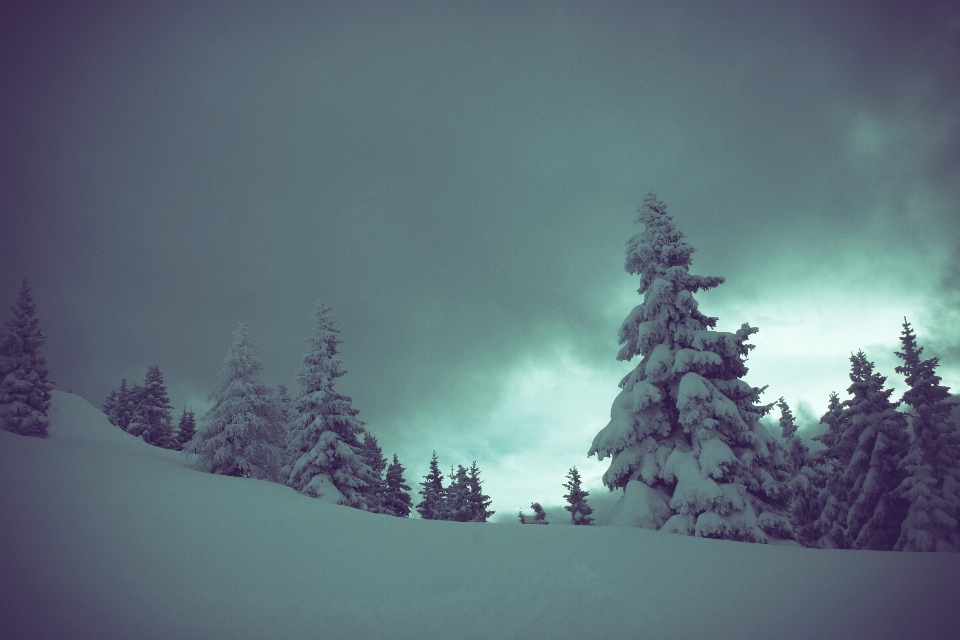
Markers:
(104, 536)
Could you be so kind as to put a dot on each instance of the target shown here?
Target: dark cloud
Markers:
(456, 180)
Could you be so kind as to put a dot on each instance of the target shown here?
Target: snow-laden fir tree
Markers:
(433, 505)
(865, 440)
(539, 515)
(477, 501)
(457, 495)
(121, 404)
(186, 429)
(576, 499)
(396, 499)
(375, 493)
(684, 437)
(110, 404)
(463, 499)
(809, 488)
(325, 433)
(931, 486)
(239, 435)
(796, 451)
(807, 481)
(152, 419)
(24, 385)
(285, 418)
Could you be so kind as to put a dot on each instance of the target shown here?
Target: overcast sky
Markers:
(458, 180)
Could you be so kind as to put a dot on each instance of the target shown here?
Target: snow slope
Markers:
(104, 536)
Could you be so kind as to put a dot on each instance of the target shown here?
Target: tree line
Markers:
(314, 443)
(685, 440)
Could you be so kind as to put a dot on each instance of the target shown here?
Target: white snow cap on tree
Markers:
(325, 433)
(684, 436)
(239, 435)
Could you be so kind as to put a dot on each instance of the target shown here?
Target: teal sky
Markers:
(458, 181)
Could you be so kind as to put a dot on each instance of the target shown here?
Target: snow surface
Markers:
(104, 536)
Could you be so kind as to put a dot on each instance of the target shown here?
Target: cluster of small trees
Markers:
(576, 499)
(145, 411)
(689, 450)
(314, 443)
(24, 384)
(462, 500)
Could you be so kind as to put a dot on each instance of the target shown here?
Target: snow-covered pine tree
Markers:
(110, 404)
(539, 515)
(285, 412)
(931, 486)
(375, 493)
(122, 403)
(684, 436)
(24, 384)
(238, 436)
(476, 501)
(433, 506)
(795, 449)
(576, 499)
(127, 399)
(808, 496)
(325, 432)
(285, 417)
(809, 491)
(806, 483)
(456, 496)
(866, 439)
(186, 429)
(397, 499)
(152, 419)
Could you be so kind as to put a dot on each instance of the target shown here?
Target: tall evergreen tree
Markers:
(238, 436)
(325, 434)
(186, 429)
(576, 499)
(284, 410)
(795, 449)
(866, 439)
(285, 418)
(110, 404)
(809, 493)
(24, 384)
(375, 492)
(930, 486)
(134, 398)
(152, 419)
(126, 406)
(457, 496)
(807, 482)
(433, 506)
(685, 439)
(397, 499)
(476, 501)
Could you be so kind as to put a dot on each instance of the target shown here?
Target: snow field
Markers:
(104, 536)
